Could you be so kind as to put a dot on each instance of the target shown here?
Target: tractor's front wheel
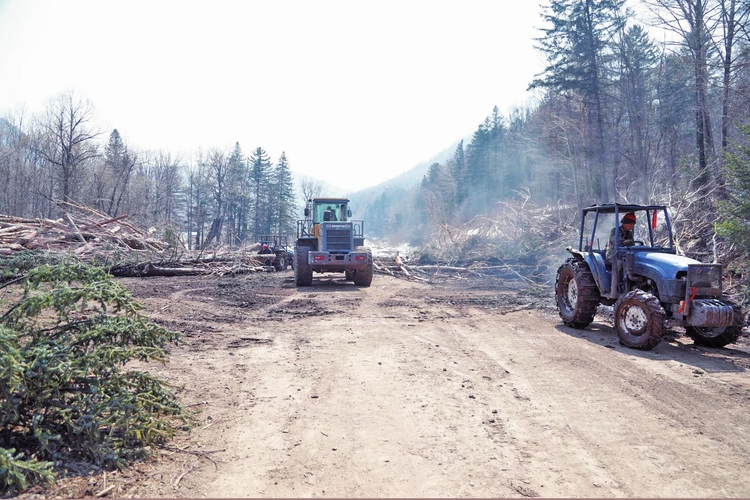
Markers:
(302, 270)
(639, 320)
(719, 337)
(576, 294)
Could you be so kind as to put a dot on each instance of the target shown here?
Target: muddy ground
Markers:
(463, 388)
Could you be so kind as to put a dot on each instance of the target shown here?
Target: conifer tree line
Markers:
(621, 117)
(217, 196)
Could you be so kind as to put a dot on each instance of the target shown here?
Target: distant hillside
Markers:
(364, 198)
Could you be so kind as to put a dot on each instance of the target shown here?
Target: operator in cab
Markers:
(329, 214)
(627, 223)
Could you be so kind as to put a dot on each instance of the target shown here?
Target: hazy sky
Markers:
(354, 92)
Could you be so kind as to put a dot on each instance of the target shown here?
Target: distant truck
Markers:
(329, 241)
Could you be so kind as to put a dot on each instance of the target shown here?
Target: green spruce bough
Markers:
(65, 393)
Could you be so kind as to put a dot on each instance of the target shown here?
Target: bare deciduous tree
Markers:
(219, 168)
(310, 189)
(67, 137)
(695, 21)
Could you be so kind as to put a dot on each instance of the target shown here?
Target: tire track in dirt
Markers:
(575, 416)
(404, 389)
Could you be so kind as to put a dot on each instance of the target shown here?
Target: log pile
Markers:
(83, 236)
(130, 251)
(215, 266)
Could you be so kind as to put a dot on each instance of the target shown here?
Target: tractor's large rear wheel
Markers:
(639, 320)
(576, 294)
(363, 276)
(280, 264)
(302, 270)
(719, 337)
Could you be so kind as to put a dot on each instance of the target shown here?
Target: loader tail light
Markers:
(359, 257)
(319, 257)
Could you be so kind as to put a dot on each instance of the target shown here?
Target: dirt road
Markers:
(408, 389)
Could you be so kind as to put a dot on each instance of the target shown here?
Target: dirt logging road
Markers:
(410, 389)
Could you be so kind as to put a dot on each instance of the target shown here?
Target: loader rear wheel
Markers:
(363, 276)
(576, 294)
(639, 320)
(302, 270)
(719, 337)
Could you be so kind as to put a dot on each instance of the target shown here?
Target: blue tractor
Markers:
(650, 286)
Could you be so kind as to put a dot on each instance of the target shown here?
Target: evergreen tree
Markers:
(198, 197)
(458, 172)
(517, 165)
(637, 58)
(439, 194)
(675, 121)
(238, 196)
(577, 44)
(736, 209)
(480, 178)
(502, 171)
(284, 216)
(119, 166)
(260, 172)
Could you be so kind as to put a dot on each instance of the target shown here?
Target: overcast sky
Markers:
(354, 92)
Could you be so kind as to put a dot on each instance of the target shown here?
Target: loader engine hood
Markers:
(661, 265)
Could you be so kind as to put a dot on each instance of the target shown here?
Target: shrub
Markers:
(18, 264)
(735, 208)
(64, 390)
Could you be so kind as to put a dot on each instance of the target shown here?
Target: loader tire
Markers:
(363, 277)
(302, 270)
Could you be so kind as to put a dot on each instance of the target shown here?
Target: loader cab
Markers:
(334, 214)
(328, 210)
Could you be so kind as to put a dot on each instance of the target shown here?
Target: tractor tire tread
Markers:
(582, 313)
(656, 317)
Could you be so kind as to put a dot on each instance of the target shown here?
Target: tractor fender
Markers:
(578, 256)
(597, 265)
